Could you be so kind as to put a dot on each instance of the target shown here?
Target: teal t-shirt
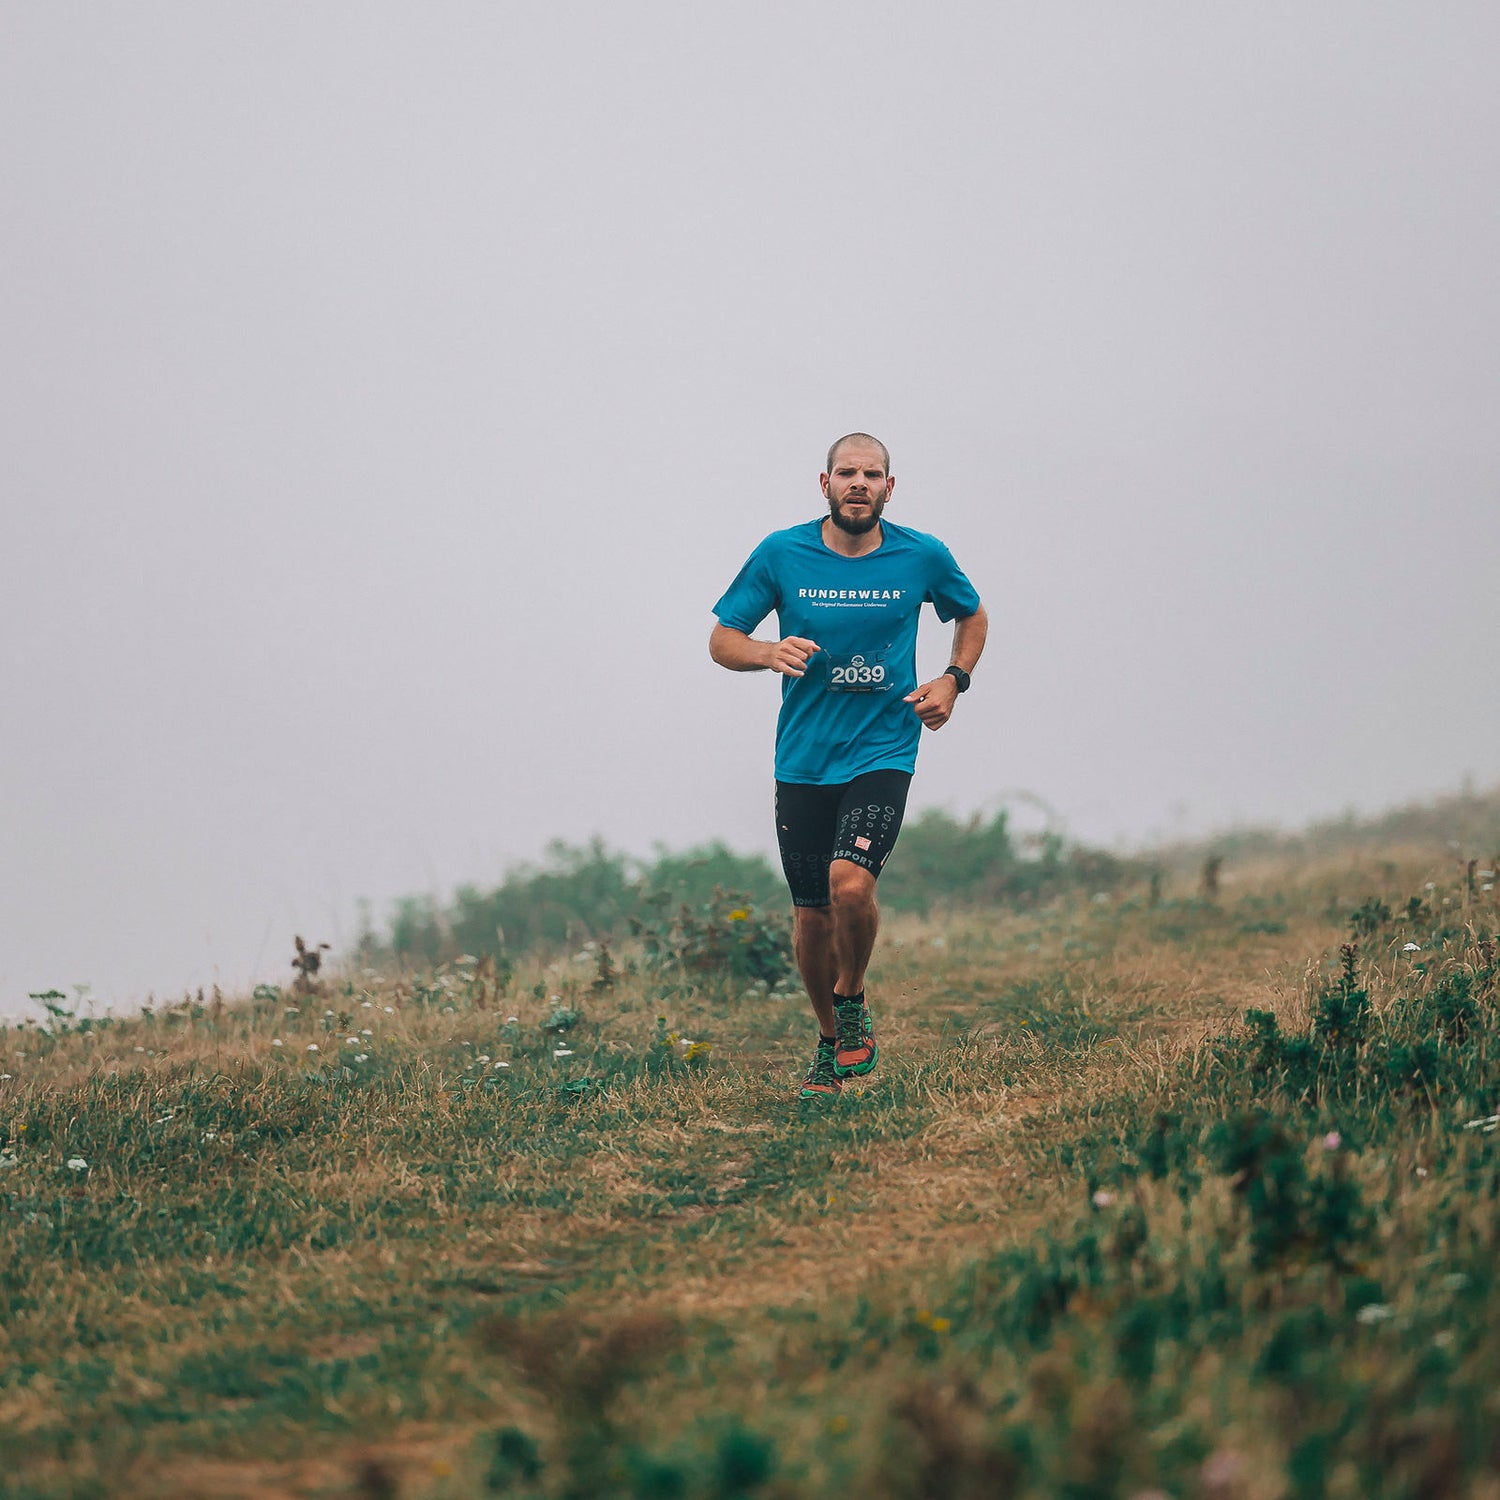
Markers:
(846, 715)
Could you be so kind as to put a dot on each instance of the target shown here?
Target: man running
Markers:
(847, 589)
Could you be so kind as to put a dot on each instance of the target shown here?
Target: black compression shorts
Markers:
(855, 820)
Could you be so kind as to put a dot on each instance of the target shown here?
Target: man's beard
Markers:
(859, 526)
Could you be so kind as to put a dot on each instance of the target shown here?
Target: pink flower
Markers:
(1332, 1141)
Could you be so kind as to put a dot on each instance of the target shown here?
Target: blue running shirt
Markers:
(846, 715)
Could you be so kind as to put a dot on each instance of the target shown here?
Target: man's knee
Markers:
(850, 885)
(812, 922)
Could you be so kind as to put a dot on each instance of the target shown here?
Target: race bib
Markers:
(857, 674)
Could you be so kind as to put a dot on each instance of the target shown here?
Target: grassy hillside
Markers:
(563, 1231)
(1463, 823)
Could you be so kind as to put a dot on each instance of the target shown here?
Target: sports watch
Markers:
(959, 676)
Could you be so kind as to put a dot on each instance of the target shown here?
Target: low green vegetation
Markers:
(1153, 1194)
(592, 893)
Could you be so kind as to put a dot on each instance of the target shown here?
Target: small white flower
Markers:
(367, 1033)
(351, 1041)
(1488, 1123)
(366, 1004)
(210, 1135)
(511, 1020)
(292, 1010)
(390, 1010)
(562, 1052)
(1372, 1313)
(361, 1057)
(77, 1164)
(502, 1064)
(1103, 1199)
(483, 1057)
(1421, 1171)
(327, 1012)
(312, 1046)
(140, 1049)
(1411, 947)
(1430, 886)
(9, 1159)
(275, 1041)
(447, 1010)
(4, 1076)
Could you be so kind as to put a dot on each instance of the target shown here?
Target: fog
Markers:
(389, 391)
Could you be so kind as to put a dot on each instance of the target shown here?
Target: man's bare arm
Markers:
(968, 640)
(734, 649)
(933, 701)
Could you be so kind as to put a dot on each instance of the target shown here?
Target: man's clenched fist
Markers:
(789, 657)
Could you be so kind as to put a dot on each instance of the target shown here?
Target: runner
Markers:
(847, 589)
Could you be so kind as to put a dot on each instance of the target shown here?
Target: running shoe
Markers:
(821, 1079)
(855, 1052)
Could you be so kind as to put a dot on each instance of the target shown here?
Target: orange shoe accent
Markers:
(822, 1081)
(855, 1052)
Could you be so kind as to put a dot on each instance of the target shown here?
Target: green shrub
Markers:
(589, 893)
(940, 859)
(722, 938)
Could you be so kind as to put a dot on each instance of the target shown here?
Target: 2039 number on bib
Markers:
(856, 674)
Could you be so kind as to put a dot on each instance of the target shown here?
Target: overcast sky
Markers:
(388, 391)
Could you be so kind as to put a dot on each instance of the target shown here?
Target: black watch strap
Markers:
(959, 676)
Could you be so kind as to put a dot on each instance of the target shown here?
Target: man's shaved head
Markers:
(859, 437)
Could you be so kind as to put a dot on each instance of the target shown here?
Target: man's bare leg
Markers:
(856, 920)
(817, 959)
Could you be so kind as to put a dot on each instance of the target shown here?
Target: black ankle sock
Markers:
(829, 1039)
(839, 999)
